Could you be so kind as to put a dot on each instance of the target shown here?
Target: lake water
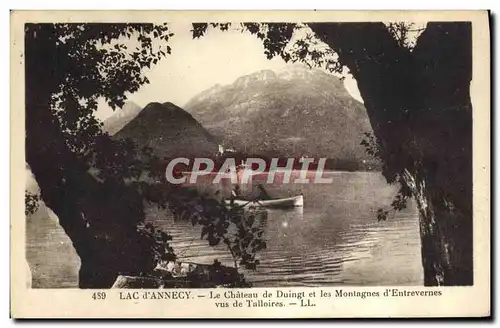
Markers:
(334, 239)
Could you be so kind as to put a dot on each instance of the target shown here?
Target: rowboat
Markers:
(289, 202)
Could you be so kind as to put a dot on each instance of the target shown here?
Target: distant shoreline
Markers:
(293, 170)
(295, 177)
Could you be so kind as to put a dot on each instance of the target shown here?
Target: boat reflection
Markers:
(287, 218)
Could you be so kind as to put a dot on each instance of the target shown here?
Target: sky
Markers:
(196, 65)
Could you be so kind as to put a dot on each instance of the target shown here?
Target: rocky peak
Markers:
(260, 76)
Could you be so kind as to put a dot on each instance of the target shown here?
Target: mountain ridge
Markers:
(291, 111)
(118, 120)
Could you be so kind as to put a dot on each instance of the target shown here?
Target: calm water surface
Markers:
(334, 239)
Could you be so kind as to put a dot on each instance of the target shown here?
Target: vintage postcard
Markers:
(260, 164)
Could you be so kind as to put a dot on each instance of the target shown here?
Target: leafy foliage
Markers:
(241, 230)
(100, 61)
(31, 203)
(399, 202)
(402, 33)
(371, 144)
(162, 251)
(293, 42)
(69, 68)
(297, 42)
(407, 85)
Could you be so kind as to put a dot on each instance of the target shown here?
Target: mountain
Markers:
(117, 121)
(170, 131)
(290, 112)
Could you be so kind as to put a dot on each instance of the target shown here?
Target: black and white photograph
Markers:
(198, 154)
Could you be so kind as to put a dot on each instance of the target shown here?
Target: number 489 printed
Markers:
(99, 295)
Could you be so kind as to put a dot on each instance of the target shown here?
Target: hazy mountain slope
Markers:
(170, 131)
(121, 117)
(291, 112)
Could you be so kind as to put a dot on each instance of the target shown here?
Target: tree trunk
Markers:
(446, 237)
(419, 107)
(100, 221)
(62, 188)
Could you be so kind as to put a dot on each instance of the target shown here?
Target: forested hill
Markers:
(170, 131)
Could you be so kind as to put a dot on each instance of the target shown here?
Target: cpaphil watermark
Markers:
(296, 171)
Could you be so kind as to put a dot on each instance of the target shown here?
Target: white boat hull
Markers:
(290, 202)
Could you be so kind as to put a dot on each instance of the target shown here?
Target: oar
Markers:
(257, 201)
(250, 201)
(254, 201)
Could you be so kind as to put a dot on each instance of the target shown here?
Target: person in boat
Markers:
(236, 192)
(263, 195)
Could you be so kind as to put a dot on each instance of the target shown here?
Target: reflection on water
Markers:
(51, 257)
(334, 239)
